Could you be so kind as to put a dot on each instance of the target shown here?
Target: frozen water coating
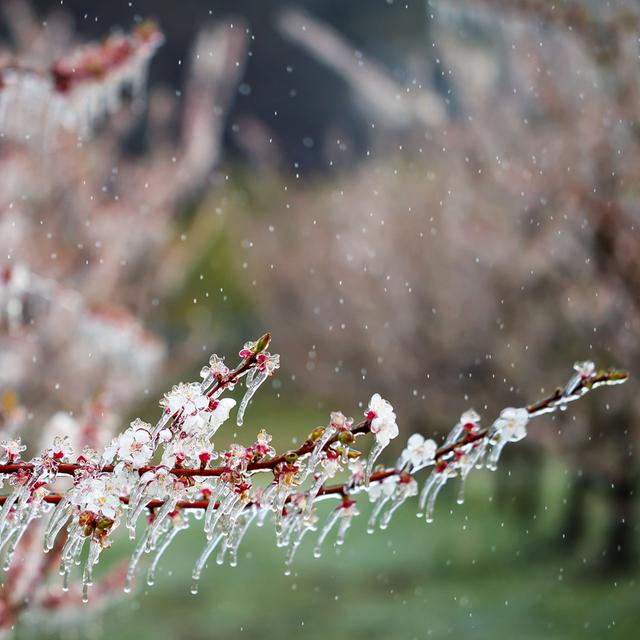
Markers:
(79, 89)
(166, 472)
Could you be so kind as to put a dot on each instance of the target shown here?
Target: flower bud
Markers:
(262, 343)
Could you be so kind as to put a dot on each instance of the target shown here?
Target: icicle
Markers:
(426, 490)
(10, 500)
(463, 480)
(59, 517)
(497, 445)
(71, 552)
(374, 454)
(11, 549)
(295, 545)
(328, 433)
(254, 379)
(164, 419)
(134, 514)
(431, 502)
(282, 494)
(328, 525)
(238, 535)
(266, 503)
(159, 520)
(202, 560)
(313, 492)
(346, 516)
(479, 461)
(234, 512)
(208, 379)
(296, 541)
(222, 551)
(65, 578)
(454, 434)
(371, 524)
(289, 526)
(138, 500)
(397, 501)
(137, 554)
(9, 532)
(225, 505)
(18, 532)
(73, 532)
(474, 459)
(217, 492)
(95, 547)
(174, 530)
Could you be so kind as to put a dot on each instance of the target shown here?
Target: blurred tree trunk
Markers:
(619, 550)
(574, 522)
(521, 495)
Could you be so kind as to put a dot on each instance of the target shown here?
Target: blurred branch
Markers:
(393, 104)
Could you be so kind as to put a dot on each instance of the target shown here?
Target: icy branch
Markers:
(167, 472)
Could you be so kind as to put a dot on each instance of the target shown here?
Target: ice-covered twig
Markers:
(116, 485)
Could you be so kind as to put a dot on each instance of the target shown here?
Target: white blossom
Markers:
(187, 398)
(134, 445)
(216, 368)
(102, 497)
(383, 419)
(419, 452)
(512, 424)
(470, 416)
(10, 450)
(585, 369)
(339, 421)
(384, 488)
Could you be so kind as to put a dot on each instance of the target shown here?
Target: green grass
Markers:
(479, 571)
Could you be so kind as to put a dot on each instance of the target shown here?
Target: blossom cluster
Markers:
(78, 88)
(166, 471)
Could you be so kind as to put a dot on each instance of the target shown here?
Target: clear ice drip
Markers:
(139, 550)
(295, 542)
(374, 454)
(159, 521)
(95, 547)
(318, 448)
(255, 378)
(326, 529)
(377, 509)
(59, 516)
(313, 492)
(474, 460)
(346, 516)
(202, 561)
(237, 535)
(178, 524)
(397, 500)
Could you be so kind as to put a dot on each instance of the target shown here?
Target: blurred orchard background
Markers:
(437, 200)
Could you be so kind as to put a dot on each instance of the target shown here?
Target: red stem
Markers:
(307, 447)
